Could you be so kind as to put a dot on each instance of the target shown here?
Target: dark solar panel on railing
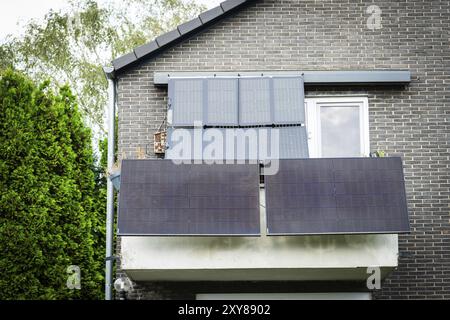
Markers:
(337, 196)
(158, 197)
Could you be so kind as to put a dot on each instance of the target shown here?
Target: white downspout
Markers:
(110, 188)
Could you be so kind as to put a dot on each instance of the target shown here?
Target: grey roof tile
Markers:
(189, 26)
(231, 4)
(124, 60)
(168, 37)
(211, 14)
(146, 49)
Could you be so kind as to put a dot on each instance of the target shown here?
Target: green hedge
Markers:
(51, 196)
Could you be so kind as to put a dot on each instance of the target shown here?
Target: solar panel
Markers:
(222, 102)
(158, 197)
(214, 144)
(187, 101)
(289, 100)
(238, 143)
(293, 142)
(337, 196)
(254, 101)
(233, 101)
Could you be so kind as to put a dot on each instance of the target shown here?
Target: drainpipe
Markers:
(109, 72)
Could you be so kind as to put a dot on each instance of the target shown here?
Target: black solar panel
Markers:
(337, 196)
(158, 197)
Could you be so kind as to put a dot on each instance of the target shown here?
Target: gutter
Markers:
(109, 73)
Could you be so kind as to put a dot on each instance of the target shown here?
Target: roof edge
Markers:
(175, 36)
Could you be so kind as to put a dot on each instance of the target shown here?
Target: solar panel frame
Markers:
(322, 213)
(160, 198)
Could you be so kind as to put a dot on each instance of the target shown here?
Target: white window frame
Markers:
(313, 125)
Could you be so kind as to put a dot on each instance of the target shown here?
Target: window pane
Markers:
(340, 131)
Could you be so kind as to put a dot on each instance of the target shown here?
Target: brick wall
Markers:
(410, 121)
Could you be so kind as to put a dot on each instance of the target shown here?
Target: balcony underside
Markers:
(304, 258)
(330, 274)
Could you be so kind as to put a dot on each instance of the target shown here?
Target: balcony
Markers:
(335, 250)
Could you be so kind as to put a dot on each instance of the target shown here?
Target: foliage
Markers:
(50, 212)
(71, 47)
(6, 57)
(52, 195)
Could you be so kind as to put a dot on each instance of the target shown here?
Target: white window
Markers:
(337, 127)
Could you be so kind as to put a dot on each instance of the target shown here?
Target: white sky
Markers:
(15, 13)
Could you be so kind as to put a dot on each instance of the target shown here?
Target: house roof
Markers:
(182, 32)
